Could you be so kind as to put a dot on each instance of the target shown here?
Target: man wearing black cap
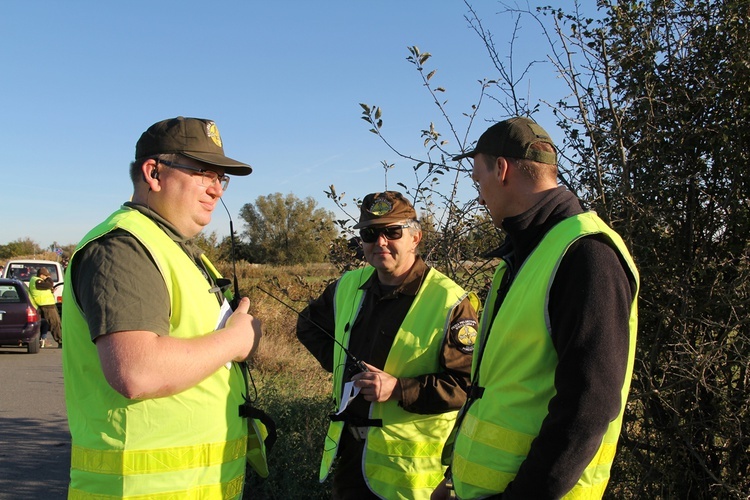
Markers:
(557, 336)
(151, 390)
(413, 329)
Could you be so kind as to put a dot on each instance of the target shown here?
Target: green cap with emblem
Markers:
(384, 208)
(512, 138)
(195, 138)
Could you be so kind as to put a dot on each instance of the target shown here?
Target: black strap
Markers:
(249, 411)
(356, 421)
(475, 392)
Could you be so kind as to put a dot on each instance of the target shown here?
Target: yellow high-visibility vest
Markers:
(40, 297)
(517, 373)
(190, 445)
(402, 458)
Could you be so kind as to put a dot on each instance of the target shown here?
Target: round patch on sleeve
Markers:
(465, 334)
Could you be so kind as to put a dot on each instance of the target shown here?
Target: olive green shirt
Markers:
(118, 285)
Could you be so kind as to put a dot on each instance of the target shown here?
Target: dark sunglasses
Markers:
(371, 234)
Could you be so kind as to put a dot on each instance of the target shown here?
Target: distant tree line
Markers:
(25, 247)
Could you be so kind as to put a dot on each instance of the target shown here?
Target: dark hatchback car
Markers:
(19, 321)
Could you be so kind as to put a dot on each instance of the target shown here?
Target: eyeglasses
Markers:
(371, 234)
(208, 177)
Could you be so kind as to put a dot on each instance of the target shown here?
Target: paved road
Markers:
(34, 436)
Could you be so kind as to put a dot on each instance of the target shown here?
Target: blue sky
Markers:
(82, 79)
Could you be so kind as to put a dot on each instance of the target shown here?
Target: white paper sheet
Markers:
(350, 392)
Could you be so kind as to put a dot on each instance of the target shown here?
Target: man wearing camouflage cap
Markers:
(414, 329)
(557, 336)
(151, 390)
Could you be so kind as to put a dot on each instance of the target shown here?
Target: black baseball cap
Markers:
(195, 138)
(512, 138)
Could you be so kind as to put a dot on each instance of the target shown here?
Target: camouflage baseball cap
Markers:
(512, 138)
(384, 208)
(195, 138)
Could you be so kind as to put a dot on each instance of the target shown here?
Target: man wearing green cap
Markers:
(151, 390)
(413, 330)
(557, 337)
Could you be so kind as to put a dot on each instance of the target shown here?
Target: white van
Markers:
(23, 270)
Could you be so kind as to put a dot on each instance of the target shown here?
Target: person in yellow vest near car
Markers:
(151, 368)
(557, 337)
(41, 289)
(413, 330)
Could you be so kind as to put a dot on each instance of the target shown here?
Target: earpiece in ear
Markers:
(154, 173)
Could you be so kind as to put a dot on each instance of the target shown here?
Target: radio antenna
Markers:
(236, 298)
(357, 362)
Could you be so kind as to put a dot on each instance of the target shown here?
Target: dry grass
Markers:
(291, 386)
(280, 351)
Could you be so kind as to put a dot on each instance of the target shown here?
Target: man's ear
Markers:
(150, 172)
(417, 238)
(502, 172)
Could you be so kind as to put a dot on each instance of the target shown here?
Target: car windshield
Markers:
(25, 270)
(9, 293)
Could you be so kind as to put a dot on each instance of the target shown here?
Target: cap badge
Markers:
(213, 132)
(380, 207)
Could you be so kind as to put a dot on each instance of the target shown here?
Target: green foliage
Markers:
(347, 254)
(287, 230)
(658, 146)
(19, 247)
(209, 244)
(301, 420)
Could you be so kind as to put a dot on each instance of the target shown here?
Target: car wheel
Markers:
(33, 346)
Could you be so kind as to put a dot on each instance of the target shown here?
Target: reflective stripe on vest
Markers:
(189, 445)
(127, 463)
(402, 458)
(228, 490)
(517, 372)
